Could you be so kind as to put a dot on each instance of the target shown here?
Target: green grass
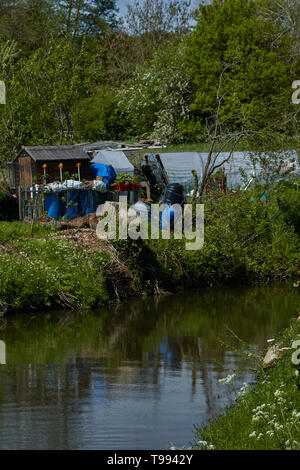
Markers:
(266, 417)
(41, 272)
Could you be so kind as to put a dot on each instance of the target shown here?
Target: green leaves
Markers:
(229, 41)
(159, 95)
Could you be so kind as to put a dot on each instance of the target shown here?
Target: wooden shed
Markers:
(27, 167)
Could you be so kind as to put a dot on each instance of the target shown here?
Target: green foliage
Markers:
(73, 74)
(230, 57)
(43, 94)
(46, 272)
(159, 95)
(98, 117)
(126, 177)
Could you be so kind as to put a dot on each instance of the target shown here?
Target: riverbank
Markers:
(246, 241)
(268, 416)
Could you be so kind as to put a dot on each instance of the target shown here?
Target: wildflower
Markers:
(278, 426)
(243, 389)
(206, 445)
(228, 379)
(202, 443)
(253, 434)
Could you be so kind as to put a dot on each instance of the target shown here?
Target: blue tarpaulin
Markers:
(70, 204)
(52, 206)
(87, 202)
(107, 172)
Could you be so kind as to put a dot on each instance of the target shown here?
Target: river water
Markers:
(136, 376)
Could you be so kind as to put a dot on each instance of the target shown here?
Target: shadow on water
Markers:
(136, 376)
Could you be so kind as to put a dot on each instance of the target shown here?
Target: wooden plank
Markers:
(164, 173)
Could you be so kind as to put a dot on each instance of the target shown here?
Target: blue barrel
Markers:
(167, 214)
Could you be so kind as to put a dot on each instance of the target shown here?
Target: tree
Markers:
(218, 141)
(284, 17)
(97, 117)
(152, 21)
(230, 38)
(29, 22)
(56, 81)
(43, 93)
(89, 17)
(159, 95)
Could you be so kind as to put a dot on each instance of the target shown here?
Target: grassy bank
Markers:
(245, 241)
(266, 417)
(40, 272)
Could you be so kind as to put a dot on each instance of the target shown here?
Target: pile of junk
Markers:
(143, 185)
(156, 188)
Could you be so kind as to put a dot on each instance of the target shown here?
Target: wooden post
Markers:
(43, 202)
(78, 168)
(60, 166)
(196, 184)
(165, 176)
(20, 203)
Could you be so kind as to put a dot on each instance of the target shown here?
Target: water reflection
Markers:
(137, 376)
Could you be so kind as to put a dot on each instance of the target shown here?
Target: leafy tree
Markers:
(98, 117)
(58, 80)
(29, 22)
(159, 95)
(43, 95)
(152, 21)
(229, 39)
(11, 133)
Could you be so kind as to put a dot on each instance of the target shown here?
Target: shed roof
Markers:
(56, 153)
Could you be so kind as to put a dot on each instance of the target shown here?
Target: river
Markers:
(134, 376)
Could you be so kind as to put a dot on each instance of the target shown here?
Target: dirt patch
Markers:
(85, 238)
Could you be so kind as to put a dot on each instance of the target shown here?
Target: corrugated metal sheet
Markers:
(117, 159)
(56, 153)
